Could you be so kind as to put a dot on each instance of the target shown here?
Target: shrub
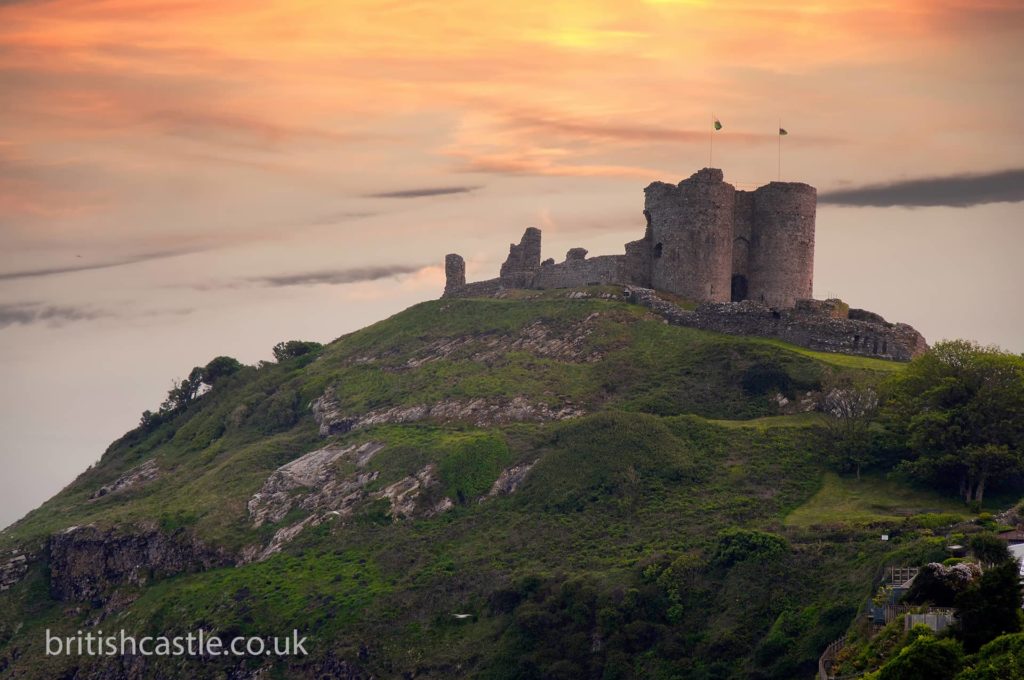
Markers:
(290, 349)
(738, 545)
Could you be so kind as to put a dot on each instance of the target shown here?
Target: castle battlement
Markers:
(710, 243)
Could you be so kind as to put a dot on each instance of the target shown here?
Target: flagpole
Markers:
(779, 133)
(711, 141)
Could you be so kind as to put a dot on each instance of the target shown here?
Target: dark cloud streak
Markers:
(335, 276)
(956, 191)
(69, 269)
(26, 313)
(423, 192)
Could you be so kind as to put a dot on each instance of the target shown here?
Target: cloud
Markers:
(26, 313)
(68, 269)
(957, 191)
(423, 192)
(334, 276)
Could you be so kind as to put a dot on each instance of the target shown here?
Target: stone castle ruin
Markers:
(745, 258)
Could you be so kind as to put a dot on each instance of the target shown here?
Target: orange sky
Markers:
(205, 146)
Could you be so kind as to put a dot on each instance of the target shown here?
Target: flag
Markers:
(718, 124)
(782, 131)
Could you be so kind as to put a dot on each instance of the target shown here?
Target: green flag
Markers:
(718, 124)
(782, 131)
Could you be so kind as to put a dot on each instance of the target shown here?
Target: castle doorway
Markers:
(739, 287)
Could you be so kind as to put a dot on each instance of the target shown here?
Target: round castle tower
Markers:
(781, 265)
(691, 227)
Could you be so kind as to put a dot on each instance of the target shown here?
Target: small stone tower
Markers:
(454, 273)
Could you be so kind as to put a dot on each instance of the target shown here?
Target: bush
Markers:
(926, 658)
(738, 545)
(220, 367)
(990, 549)
(290, 349)
(765, 376)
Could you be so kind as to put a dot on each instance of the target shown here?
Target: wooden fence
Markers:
(828, 658)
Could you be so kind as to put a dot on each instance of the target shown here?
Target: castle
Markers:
(745, 257)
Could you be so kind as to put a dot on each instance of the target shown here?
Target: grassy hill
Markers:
(604, 495)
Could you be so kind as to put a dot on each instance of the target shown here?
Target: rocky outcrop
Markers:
(480, 412)
(567, 342)
(88, 563)
(313, 482)
(319, 484)
(13, 568)
(404, 495)
(134, 478)
(509, 480)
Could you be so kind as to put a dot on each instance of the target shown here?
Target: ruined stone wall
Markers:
(580, 272)
(522, 261)
(475, 289)
(692, 231)
(636, 264)
(704, 241)
(822, 326)
(781, 262)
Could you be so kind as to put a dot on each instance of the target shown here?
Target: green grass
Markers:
(871, 500)
(791, 420)
(840, 360)
(613, 529)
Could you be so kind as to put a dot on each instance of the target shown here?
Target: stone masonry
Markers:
(716, 246)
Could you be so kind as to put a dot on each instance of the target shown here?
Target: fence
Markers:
(828, 658)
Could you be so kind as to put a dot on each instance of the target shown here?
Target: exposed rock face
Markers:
(87, 563)
(404, 495)
(316, 483)
(509, 480)
(13, 568)
(481, 412)
(136, 477)
(564, 343)
(313, 483)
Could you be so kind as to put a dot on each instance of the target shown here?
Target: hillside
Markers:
(603, 494)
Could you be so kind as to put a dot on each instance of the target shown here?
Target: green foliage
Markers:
(991, 607)
(291, 349)
(646, 541)
(1000, 659)
(472, 465)
(926, 658)
(766, 376)
(737, 545)
(220, 367)
(960, 409)
(990, 549)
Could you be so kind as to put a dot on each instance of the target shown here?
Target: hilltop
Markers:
(593, 491)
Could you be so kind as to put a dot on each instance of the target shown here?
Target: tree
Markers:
(852, 409)
(294, 348)
(991, 607)
(959, 408)
(184, 392)
(220, 367)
